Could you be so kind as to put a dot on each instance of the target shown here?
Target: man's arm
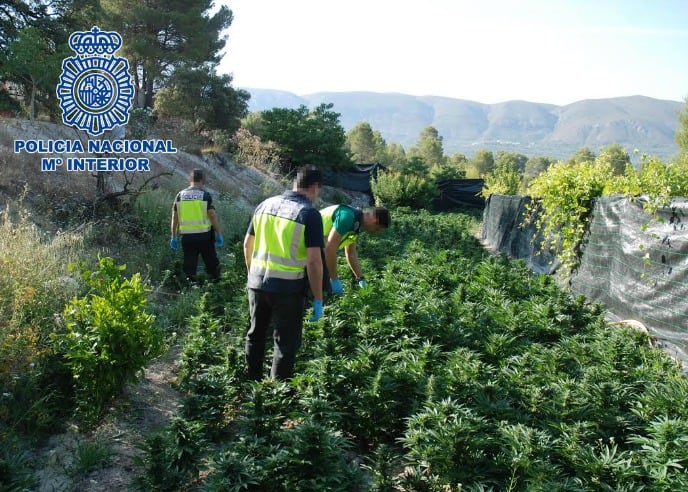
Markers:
(174, 223)
(213, 221)
(248, 250)
(333, 241)
(315, 272)
(352, 259)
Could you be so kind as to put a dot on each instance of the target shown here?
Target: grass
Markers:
(89, 456)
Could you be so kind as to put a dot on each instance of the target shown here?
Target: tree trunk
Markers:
(148, 103)
(32, 100)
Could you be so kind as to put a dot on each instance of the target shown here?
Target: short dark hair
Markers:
(197, 175)
(382, 216)
(307, 176)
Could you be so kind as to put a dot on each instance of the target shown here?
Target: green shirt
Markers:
(345, 220)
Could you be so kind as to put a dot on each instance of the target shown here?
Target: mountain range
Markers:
(529, 128)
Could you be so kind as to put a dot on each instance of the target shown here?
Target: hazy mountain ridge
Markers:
(635, 122)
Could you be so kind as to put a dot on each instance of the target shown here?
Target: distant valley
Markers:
(635, 122)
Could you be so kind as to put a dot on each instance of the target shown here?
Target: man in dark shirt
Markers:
(283, 254)
(194, 218)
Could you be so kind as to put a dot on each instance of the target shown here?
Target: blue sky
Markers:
(548, 51)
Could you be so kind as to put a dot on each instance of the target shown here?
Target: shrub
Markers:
(35, 285)
(108, 338)
(394, 189)
(251, 151)
(565, 193)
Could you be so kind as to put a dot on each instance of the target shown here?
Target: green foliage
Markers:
(305, 137)
(565, 193)
(452, 370)
(395, 156)
(91, 455)
(536, 166)
(33, 60)
(15, 465)
(658, 181)
(279, 453)
(429, 148)
(512, 160)
(365, 145)
(481, 164)
(108, 337)
(172, 456)
(140, 123)
(564, 198)
(447, 171)
(209, 372)
(394, 189)
(615, 157)
(192, 37)
(582, 155)
(203, 97)
(505, 179)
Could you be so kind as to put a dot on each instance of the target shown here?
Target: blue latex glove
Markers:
(362, 283)
(337, 287)
(219, 241)
(317, 310)
(174, 243)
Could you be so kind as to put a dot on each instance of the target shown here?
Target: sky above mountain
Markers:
(554, 51)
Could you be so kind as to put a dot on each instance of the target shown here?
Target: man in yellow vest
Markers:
(342, 225)
(194, 218)
(283, 254)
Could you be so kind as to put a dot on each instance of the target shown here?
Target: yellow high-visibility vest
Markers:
(279, 249)
(193, 212)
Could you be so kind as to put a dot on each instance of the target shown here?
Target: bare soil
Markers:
(145, 407)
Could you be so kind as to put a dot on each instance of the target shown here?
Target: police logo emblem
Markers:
(95, 89)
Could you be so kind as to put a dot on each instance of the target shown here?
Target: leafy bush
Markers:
(252, 152)
(564, 194)
(393, 189)
(564, 197)
(108, 337)
(504, 180)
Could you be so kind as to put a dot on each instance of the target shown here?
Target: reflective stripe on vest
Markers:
(193, 212)
(328, 223)
(279, 250)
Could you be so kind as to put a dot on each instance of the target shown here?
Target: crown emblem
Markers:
(95, 42)
(95, 89)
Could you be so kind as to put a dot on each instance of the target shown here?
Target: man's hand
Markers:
(219, 241)
(317, 310)
(174, 243)
(336, 286)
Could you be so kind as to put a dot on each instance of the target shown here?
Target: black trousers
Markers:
(284, 313)
(204, 245)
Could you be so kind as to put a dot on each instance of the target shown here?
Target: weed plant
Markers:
(453, 370)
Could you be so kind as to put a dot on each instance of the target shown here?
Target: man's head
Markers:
(197, 177)
(308, 182)
(375, 219)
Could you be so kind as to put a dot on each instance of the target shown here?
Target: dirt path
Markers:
(146, 407)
